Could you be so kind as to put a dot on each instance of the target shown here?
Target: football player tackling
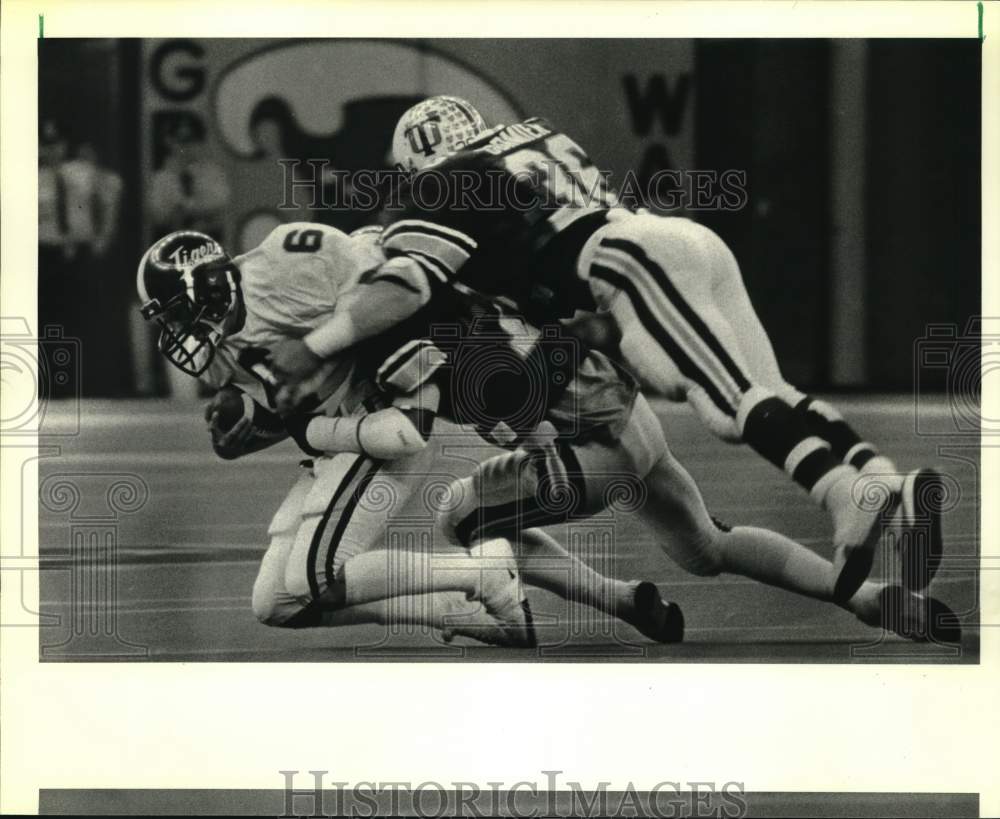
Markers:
(325, 564)
(520, 211)
(552, 255)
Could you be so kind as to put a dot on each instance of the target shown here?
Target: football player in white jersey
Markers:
(558, 242)
(324, 566)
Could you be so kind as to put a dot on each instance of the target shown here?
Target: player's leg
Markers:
(451, 613)
(671, 503)
(730, 294)
(341, 557)
(656, 276)
(510, 494)
(703, 546)
(272, 603)
(544, 563)
(917, 529)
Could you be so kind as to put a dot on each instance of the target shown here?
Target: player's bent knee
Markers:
(272, 607)
(722, 426)
(643, 439)
(702, 559)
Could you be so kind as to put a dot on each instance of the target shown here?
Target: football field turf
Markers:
(188, 543)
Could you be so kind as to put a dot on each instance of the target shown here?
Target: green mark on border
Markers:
(981, 35)
(41, 23)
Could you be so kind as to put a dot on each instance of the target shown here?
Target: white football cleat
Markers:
(514, 631)
(501, 593)
(859, 525)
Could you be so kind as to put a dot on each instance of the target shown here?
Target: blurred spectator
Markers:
(53, 261)
(190, 191)
(94, 195)
(79, 203)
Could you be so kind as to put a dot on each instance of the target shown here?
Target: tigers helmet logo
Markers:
(425, 136)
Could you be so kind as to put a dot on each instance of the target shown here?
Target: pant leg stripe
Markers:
(802, 450)
(669, 316)
(321, 528)
(675, 297)
(687, 367)
(345, 519)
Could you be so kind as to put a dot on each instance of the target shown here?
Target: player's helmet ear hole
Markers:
(215, 288)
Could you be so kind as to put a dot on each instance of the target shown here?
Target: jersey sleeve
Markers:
(438, 222)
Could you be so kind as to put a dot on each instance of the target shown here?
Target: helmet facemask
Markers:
(195, 322)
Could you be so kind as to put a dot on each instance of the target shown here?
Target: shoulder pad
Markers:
(410, 367)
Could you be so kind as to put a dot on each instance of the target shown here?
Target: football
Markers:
(228, 402)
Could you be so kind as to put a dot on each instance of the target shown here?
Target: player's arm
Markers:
(239, 425)
(422, 253)
(392, 293)
(387, 434)
(397, 431)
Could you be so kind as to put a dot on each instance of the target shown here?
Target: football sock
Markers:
(865, 604)
(543, 562)
(768, 557)
(703, 546)
(381, 573)
(824, 421)
(780, 434)
(433, 610)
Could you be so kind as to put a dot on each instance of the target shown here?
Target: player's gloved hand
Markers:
(292, 360)
(228, 443)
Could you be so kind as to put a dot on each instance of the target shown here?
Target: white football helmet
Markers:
(434, 129)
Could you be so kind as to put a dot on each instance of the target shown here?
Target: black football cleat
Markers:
(918, 617)
(921, 539)
(654, 617)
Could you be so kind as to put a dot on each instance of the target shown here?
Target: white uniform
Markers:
(289, 282)
(688, 327)
(337, 508)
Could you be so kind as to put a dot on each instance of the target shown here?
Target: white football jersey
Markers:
(290, 282)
